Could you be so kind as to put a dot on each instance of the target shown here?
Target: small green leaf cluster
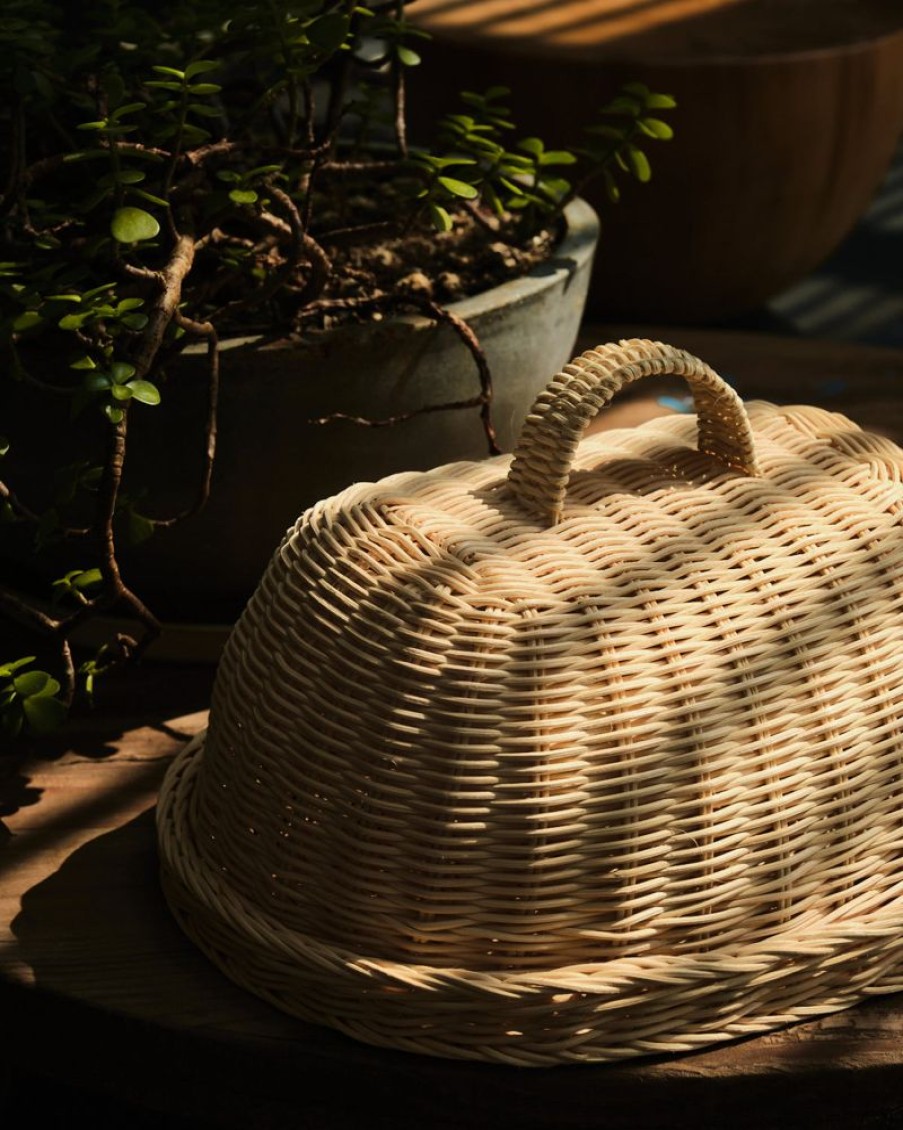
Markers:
(396, 37)
(249, 184)
(30, 701)
(119, 381)
(472, 145)
(612, 144)
(474, 162)
(129, 223)
(99, 322)
(182, 101)
(293, 40)
(115, 125)
(77, 585)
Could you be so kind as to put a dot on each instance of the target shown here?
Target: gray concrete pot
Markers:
(272, 463)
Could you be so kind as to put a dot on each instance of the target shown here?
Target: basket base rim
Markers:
(610, 1011)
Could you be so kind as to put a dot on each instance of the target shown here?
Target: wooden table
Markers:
(99, 988)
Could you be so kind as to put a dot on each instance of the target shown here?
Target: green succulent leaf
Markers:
(406, 56)
(130, 108)
(655, 127)
(97, 291)
(86, 578)
(623, 104)
(149, 197)
(131, 176)
(145, 392)
(639, 163)
(660, 102)
(555, 187)
(459, 188)
(201, 67)
(442, 221)
(73, 321)
(26, 321)
(34, 682)
(134, 321)
(243, 196)
(532, 145)
(97, 382)
(121, 371)
(139, 527)
(557, 157)
(44, 713)
(131, 225)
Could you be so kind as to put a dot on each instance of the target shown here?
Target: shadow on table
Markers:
(124, 1004)
(154, 697)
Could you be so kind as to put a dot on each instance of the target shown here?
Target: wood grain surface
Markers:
(99, 987)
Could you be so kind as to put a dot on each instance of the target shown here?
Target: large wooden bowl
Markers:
(789, 113)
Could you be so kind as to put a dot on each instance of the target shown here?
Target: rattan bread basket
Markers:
(589, 754)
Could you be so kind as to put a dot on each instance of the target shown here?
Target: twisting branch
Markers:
(17, 505)
(19, 508)
(399, 93)
(68, 671)
(367, 169)
(360, 233)
(439, 314)
(38, 621)
(21, 612)
(206, 330)
(303, 245)
(114, 588)
(107, 499)
(53, 164)
(302, 248)
(170, 278)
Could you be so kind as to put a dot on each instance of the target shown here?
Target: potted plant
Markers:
(205, 210)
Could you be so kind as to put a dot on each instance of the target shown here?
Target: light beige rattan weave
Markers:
(598, 756)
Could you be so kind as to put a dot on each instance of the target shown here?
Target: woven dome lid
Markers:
(586, 754)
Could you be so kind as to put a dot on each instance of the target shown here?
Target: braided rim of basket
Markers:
(564, 409)
(710, 997)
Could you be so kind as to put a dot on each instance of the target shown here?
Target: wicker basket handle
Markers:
(563, 410)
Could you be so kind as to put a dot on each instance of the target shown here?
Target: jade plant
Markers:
(179, 172)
